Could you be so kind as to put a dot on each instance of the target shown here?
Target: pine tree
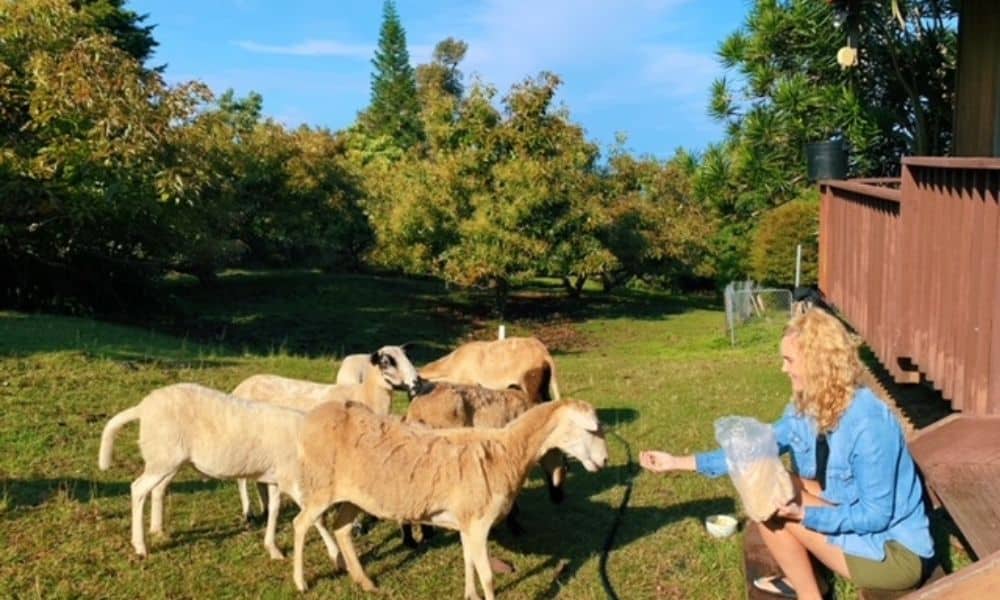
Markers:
(394, 110)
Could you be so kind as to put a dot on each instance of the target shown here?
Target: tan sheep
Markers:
(221, 436)
(497, 364)
(458, 405)
(461, 479)
(386, 369)
(352, 369)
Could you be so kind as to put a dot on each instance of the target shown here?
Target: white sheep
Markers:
(497, 364)
(461, 479)
(222, 436)
(386, 369)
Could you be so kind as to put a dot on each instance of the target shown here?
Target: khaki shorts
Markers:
(901, 569)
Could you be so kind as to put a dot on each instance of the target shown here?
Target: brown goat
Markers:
(461, 479)
(523, 361)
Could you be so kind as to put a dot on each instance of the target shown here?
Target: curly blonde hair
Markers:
(831, 366)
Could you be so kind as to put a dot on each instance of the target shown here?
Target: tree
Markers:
(791, 91)
(655, 227)
(126, 26)
(394, 110)
(95, 184)
(780, 232)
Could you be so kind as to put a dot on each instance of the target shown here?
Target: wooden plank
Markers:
(992, 399)
(906, 269)
(975, 582)
(969, 493)
(960, 459)
(864, 189)
(960, 336)
(757, 561)
(938, 270)
(943, 162)
(958, 439)
(984, 264)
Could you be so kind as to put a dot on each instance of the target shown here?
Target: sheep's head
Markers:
(579, 434)
(396, 369)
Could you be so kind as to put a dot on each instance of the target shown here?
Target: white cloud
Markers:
(518, 38)
(678, 72)
(312, 48)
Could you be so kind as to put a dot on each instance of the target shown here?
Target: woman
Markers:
(859, 501)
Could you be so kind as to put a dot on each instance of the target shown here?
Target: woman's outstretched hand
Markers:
(661, 462)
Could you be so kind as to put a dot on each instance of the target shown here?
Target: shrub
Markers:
(772, 255)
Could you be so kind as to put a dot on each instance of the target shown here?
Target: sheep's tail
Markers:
(108, 436)
(553, 386)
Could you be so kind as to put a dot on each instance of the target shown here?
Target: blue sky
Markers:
(641, 67)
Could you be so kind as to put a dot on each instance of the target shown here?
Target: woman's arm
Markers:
(662, 462)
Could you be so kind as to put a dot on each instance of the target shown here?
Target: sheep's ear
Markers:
(374, 358)
(585, 421)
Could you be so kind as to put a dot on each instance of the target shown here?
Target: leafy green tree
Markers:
(394, 109)
(655, 226)
(787, 90)
(94, 179)
(777, 237)
(126, 26)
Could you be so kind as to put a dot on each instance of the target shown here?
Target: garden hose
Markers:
(631, 472)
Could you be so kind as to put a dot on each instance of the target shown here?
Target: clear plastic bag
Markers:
(754, 466)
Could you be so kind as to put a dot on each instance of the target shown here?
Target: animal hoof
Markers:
(501, 566)
(276, 554)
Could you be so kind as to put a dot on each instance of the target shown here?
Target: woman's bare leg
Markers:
(791, 545)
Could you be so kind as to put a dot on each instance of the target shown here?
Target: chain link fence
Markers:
(748, 303)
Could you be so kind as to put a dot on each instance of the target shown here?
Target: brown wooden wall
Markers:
(977, 82)
(916, 272)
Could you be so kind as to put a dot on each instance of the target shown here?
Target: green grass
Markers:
(659, 368)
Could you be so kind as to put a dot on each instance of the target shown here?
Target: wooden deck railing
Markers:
(915, 270)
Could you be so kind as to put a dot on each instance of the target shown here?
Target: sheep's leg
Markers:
(244, 498)
(262, 491)
(427, 532)
(470, 577)
(273, 507)
(476, 540)
(554, 466)
(512, 525)
(408, 539)
(140, 489)
(342, 532)
(156, 505)
(331, 545)
(303, 521)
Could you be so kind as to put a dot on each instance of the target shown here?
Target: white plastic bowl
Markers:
(721, 526)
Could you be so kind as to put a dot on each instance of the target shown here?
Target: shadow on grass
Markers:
(30, 493)
(565, 559)
(317, 314)
(615, 416)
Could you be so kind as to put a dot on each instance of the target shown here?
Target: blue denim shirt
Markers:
(871, 479)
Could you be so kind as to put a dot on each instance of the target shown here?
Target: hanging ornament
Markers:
(847, 57)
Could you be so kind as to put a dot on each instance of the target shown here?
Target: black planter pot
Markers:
(826, 160)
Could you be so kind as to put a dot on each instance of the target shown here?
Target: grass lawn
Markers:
(660, 369)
